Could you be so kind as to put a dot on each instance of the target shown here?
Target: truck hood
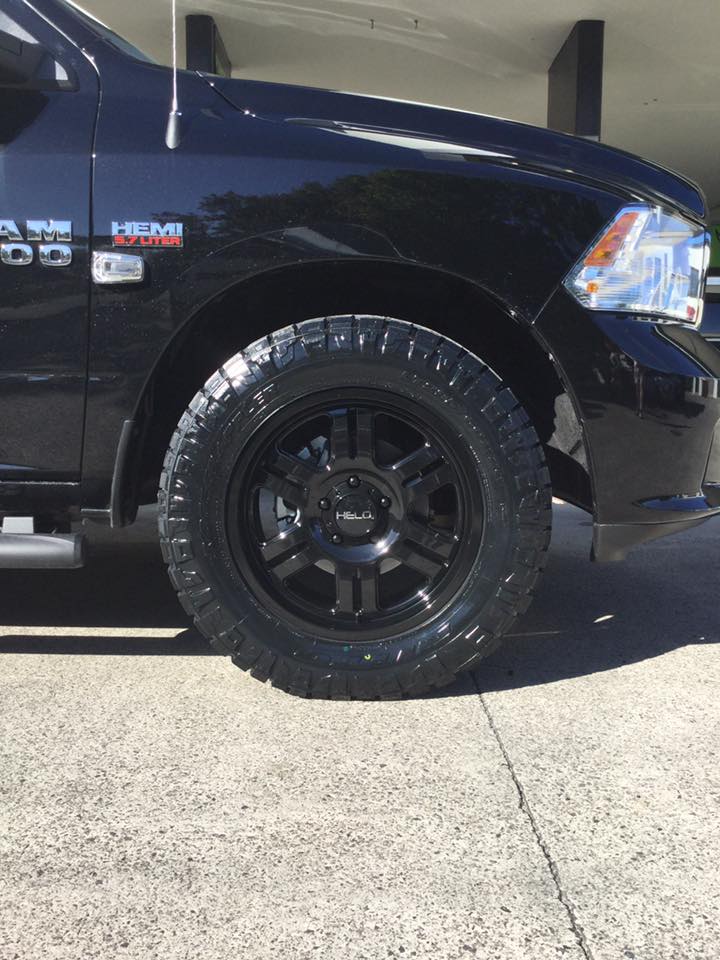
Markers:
(427, 128)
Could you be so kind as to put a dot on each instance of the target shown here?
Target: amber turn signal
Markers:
(609, 244)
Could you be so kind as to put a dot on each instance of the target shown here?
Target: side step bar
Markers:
(42, 551)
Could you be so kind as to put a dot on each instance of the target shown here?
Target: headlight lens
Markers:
(647, 261)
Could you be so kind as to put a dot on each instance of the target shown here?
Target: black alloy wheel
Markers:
(350, 513)
(355, 507)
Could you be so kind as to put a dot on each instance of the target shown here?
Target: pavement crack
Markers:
(535, 827)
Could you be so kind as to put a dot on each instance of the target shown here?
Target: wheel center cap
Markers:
(356, 515)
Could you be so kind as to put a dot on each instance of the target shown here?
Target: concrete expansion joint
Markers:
(535, 827)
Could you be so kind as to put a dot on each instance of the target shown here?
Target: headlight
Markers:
(647, 261)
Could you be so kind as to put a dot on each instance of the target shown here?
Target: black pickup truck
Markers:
(356, 344)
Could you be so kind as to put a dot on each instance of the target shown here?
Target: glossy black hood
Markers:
(406, 124)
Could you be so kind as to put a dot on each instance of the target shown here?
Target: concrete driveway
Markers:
(158, 803)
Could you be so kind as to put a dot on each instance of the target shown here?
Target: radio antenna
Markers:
(172, 134)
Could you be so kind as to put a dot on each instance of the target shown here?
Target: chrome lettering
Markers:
(16, 254)
(166, 230)
(55, 254)
(58, 230)
(9, 230)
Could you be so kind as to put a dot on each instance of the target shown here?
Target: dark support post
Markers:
(205, 48)
(575, 82)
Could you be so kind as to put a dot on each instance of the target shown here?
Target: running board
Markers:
(42, 551)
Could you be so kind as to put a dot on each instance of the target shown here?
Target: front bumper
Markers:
(647, 396)
(710, 327)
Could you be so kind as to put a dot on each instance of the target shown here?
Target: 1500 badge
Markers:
(146, 233)
(54, 249)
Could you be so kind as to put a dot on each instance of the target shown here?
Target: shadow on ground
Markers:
(586, 617)
(121, 603)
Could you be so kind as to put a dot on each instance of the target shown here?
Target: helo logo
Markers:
(355, 515)
(54, 237)
(146, 233)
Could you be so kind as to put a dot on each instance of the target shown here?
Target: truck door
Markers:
(48, 104)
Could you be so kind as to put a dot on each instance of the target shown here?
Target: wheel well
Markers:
(444, 303)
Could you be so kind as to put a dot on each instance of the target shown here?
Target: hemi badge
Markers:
(146, 233)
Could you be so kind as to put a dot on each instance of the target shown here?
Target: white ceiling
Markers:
(661, 94)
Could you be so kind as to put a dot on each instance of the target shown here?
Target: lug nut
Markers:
(324, 504)
(354, 482)
(385, 501)
(336, 538)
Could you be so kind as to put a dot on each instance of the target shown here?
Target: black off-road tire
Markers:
(481, 419)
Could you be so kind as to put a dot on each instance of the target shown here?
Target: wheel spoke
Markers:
(365, 435)
(306, 556)
(415, 462)
(282, 488)
(283, 543)
(344, 593)
(407, 553)
(435, 541)
(340, 435)
(367, 592)
(431, 481)
(300, 471)
(369, 575)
